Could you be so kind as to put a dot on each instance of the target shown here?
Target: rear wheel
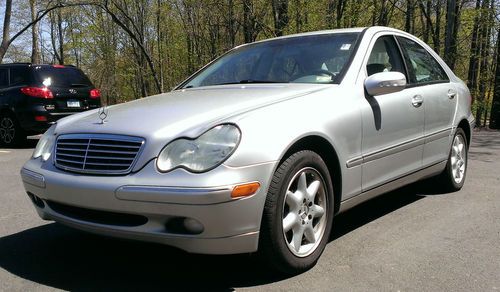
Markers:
(11, 133)
(298, 213)
(454, 174)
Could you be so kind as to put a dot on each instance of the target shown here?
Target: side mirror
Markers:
(384, 83)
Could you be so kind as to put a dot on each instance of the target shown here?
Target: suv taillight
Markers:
(41, 92)
(95, 93)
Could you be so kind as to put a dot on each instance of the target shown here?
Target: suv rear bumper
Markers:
(29, 123)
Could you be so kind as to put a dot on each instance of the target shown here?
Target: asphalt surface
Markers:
(413, 239)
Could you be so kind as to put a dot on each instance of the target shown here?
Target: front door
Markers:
(393, 124)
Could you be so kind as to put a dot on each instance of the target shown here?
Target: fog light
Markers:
(182, 225)
(193, 226)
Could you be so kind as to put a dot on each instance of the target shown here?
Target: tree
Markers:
(410, 12)
(474, 52)
(495, 104)
(7, 39)
(335, 11)
(35, 51)
(125, 21)
(450, 45)
(280, 14)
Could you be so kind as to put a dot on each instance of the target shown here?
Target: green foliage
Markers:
(180, 36)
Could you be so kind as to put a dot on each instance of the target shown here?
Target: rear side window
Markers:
(422, 66)
(4, 77)
(19, 76)
(61, 77)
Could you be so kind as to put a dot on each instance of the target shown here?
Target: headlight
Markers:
(203, 153)
(44, 147)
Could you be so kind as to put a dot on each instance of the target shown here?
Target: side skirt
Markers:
(392, 185)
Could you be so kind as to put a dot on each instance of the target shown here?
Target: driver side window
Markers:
(385, 57)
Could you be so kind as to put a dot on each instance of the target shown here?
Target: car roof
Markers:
(371, 29)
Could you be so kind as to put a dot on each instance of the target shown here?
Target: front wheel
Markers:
(298, 213)
(453, 176)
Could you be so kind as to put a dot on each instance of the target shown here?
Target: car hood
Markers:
(162, 118)
(183, 112)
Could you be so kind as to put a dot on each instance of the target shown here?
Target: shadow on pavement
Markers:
(28, 144)
(64, 258)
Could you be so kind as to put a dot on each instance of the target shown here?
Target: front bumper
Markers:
(169, 204)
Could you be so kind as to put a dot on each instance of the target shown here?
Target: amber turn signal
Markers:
(245, 190)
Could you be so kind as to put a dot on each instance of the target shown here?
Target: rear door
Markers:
(70, 87)
(440, 98)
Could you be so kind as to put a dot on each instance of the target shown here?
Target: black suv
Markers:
(32, 97)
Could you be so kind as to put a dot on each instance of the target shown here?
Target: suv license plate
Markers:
(73, 103)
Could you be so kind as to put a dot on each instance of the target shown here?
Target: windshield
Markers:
(306, 59)
(61, 76)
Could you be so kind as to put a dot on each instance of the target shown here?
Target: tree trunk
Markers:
(495, 105)
(485, 47)
(437, 32)
(159, 44)
(330, 11)
(60, 35)
(280, 13)
(53, 39)
(340, 12)
(35, 51)
(231, 23)
(409, 16)
(428, 21)
(247, 21)
(6, 29)
(474, 53)
(450, 34)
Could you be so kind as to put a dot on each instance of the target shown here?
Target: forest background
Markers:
(131, 49)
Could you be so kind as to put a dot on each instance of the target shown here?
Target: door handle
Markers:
(417, 100)
(451, 94)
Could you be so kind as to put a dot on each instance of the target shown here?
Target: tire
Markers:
(453, 176)
(11, 133)
(295, 244)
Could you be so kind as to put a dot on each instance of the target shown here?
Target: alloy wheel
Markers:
(305, 212)
(7, 130)
(458, 159)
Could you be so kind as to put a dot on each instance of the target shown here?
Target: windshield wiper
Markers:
(248, 81)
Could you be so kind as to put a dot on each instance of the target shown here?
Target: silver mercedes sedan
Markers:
(261, 148)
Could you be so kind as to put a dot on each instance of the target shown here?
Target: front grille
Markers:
(97, 153)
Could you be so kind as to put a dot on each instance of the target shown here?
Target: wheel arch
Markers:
(6, 109)
(327, 151)
(464, 125)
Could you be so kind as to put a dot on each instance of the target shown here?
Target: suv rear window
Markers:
(62, 77)
(19, 75)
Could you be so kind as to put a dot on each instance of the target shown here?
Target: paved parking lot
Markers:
(413, 239)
